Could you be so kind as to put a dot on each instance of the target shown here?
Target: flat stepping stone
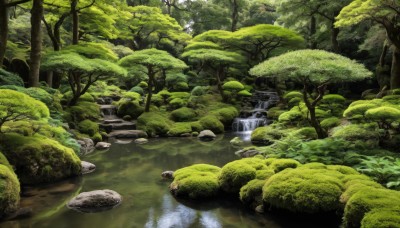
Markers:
(95, 201)
(127, 134)
(87, 167)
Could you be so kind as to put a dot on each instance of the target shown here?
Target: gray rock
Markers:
(87, 145)
(95, 201)
(169, 175)
(206, 135)
(259, 209)
(141, 141)
(236, 141)
(87, 167)
(103, 145)
(186, 135)
(128, 134)
(247, 153)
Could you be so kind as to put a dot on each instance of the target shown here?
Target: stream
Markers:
(134, 171)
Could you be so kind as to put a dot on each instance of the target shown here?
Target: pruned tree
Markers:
(315, 70)
(154, 61)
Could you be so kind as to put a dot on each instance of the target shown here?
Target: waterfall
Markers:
(108, 111)
(249, 120)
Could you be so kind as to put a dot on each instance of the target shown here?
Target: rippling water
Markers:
(134, 171)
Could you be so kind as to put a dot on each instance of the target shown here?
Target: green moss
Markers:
(392, 99)
(183, 114)
(9, 191)
(143, 84)
(88, 127)
(177, 103)
(264, 174)
(282, 164)
(4, 161)
(383, 114)
(181, 86)
(196, 126)
(381, 219)
(358, 109)
(330, 123)
(266, 135)
(274, 113)
(8, 78)
(304, 190)
(357, 132)
(212, 123)
(179, 128)
(233, 85)
(39, 152)
(86, 97)
(137, 89)
(294, 101)
(226, 115)
(251, 193)
(333, 98)
(200, 90)
(367, 200)
(82, 111)
(154, 123)
(290, 116)
(306, 133)
(196, 181)
(131, 108)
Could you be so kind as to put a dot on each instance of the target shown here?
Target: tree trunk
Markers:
(235, 15)
(334, 38)
(150, 89)
(75, 22)
(311, 109)
(3, 30)
(49, 78)
(36, 42)
(220, 74)
(383, 54)
(313, 31)
(395, 73)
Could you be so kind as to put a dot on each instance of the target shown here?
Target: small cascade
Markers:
(250, 119)
(108, 111)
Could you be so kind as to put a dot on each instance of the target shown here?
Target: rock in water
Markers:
(87, 167)
(141, 141)
(95, 201)
(87, 145)
(102, 145)
(168, 175)
(236, 141)
(206, 135)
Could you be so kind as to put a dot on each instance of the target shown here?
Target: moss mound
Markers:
(226, 115)
(196, 182)
(179, 128)
(211, 122)
(44, 160)
(282, 164)
(381, 219)
(131, 108)
(251, 192)
(154, 123)
(183, 114)
(9, 188)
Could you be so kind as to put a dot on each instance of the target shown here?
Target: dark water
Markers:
(134, 171)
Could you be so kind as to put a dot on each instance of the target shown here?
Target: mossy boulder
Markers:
(304, 190)
(367, 135)
(381, 219)
(250, 194)
(183, 114)
(368, 200)
(329, 123)
(81, 111)
(154, 123)
(44, 159)
(88, 127)
(176, 103)
(178, 129)
(266, 135)
(305, 133)
(290, 116)
(211, 122)
(233, 86)
(9, 188)
(137, 89)
(198, 181)
(282, 164)
(131, 108)
(236, 174)
(226, 115)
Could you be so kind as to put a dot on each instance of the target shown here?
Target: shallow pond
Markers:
(134, 171)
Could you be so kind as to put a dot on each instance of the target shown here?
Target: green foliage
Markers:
(226, 115)
(354, 132)
(383, 114)
(381, 218)
(233, 85)
(305, 133)
(93, 50)
(317, 66)
(40, 154)
(154, 123)
(333, 98)
(358, 109)
(8, 78)
(87, 97)
(81, 111)
(9, 189)
(16, 106)
(211, 122)
(177, 103)
(199, 90)
(196, 181)
(290, 116)
(293, 94)
(88, 127)
(245, 93)
(385, 170)
(183, 114)
(131, 108)
(266, 135)
(137, 89)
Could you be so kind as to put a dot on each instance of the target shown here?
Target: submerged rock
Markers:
(141, 141)
(103, 145)
(87, 145)
(87, 167)
(247, 153)
(128, 134)
(95, 201)
(236, 141)
(206, 135)
(169, 175)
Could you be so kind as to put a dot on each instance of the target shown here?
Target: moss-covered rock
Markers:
(183, 114)
(357, 132)
(131, 108)
(211, 122)
(177, 103)
(233, 85)
(196, 182)
(381, 219)
(304, 190)
(266, 135)
(179, 128)
(290, 116)
(44, 159)
(236, 174)
(274, 113)
(137, 89)
(329, 123)
(251, 193)
(82, 111)
(306, 133)
(226, 115)
(368, 200)
(282, 164)
(154, 123)
(88, 127)
(9, 188)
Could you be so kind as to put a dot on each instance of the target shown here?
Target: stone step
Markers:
(127, 134)
(124, 125)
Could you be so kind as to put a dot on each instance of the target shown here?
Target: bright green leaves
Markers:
(314, 65)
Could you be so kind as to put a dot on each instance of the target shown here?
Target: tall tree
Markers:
(36, 42)
(315, 70)
(236, 8)
(4, 18)
(384, 12)
(154, 61)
